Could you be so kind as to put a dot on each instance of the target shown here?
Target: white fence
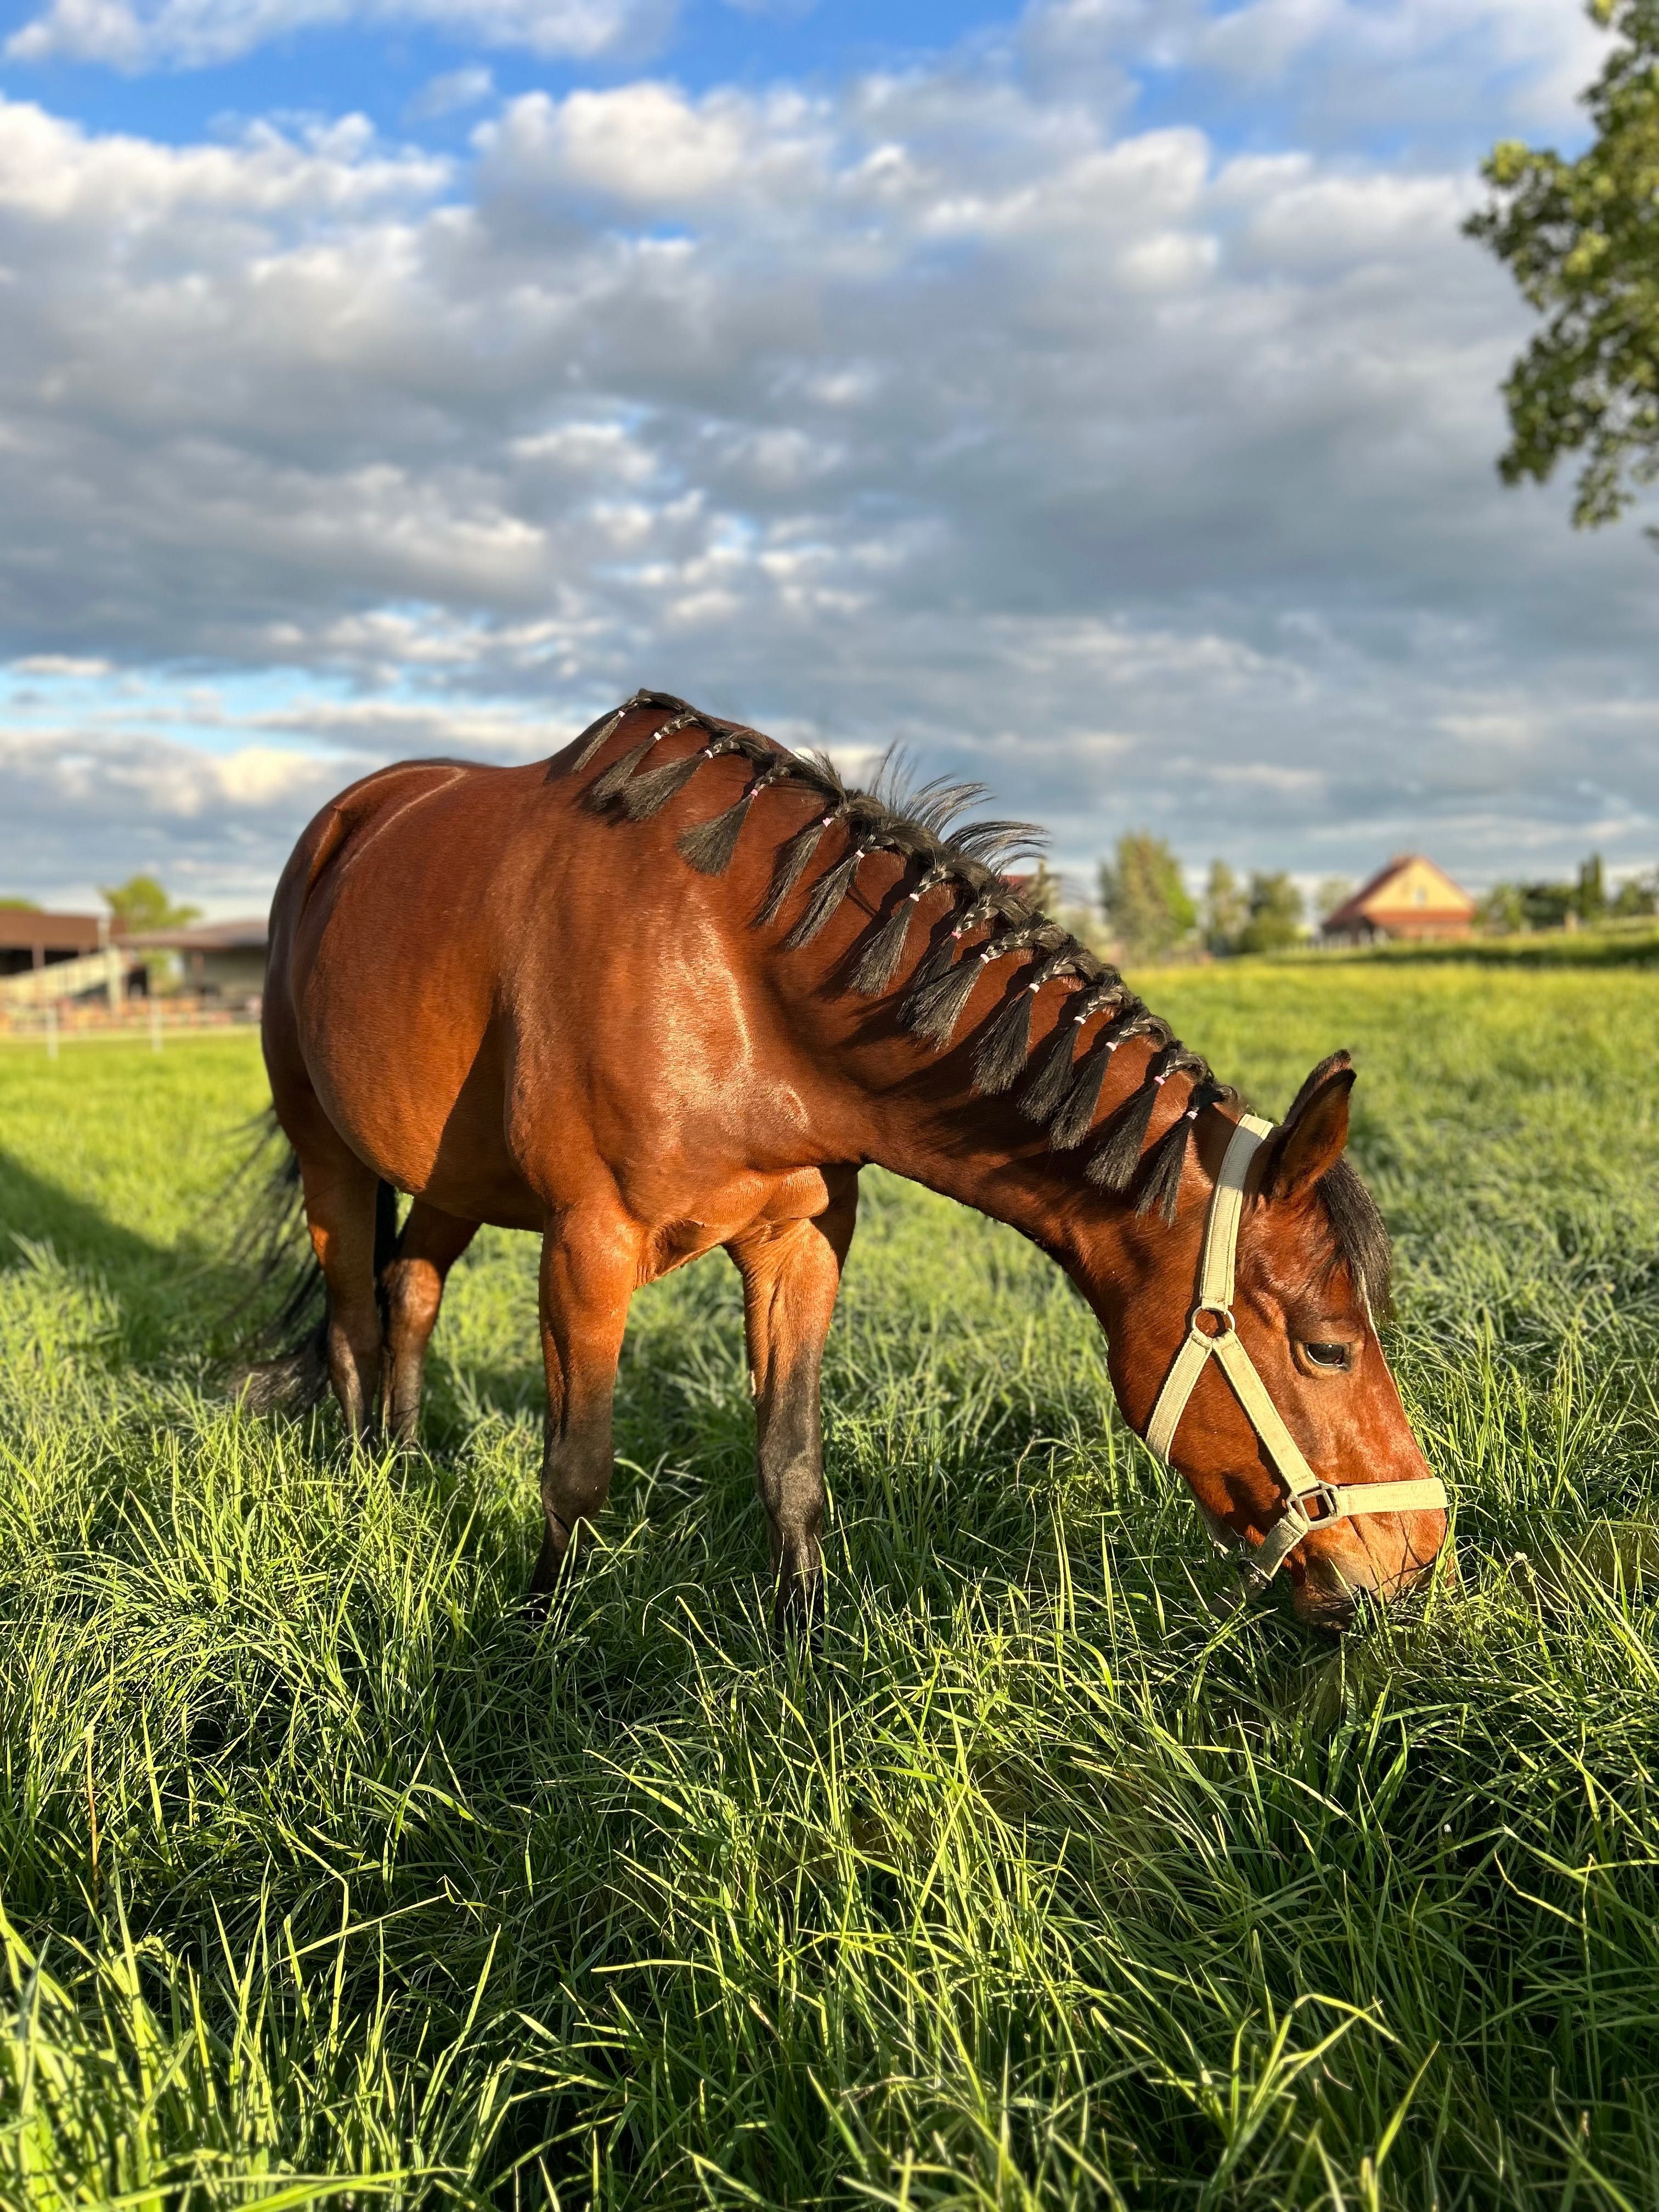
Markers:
(105, 970)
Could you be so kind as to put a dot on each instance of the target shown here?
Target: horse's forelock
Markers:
(1361, 1236)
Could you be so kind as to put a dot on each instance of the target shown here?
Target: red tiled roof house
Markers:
(1409, 898)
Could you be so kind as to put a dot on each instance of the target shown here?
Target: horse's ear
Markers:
(1315, 1131)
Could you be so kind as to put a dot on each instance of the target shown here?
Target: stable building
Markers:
(30, 937)
(217, 959)
(1409, 898)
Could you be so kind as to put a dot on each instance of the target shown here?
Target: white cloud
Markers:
(1152, 482)
(650, 147)
(145, 34)
(452, 92)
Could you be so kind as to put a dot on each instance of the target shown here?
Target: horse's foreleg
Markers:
(412, 1289)
(791, 1274)
(590, 1266)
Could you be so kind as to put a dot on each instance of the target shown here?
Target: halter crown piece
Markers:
(1212, 1335)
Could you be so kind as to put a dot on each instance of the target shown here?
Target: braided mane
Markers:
(922, 826)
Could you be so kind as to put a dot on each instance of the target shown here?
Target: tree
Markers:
(1637, 896)
(1581, 239)
(141, 903)
(1333, 892)
(1546, 906)
(1275, 918)
(1044, 888)
(1503, 909)
(1225, 908)
(1145, 902)
(1592, 898)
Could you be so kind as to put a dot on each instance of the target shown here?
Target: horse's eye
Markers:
(1327, 1355)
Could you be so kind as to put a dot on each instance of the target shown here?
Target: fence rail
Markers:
(140, 1021)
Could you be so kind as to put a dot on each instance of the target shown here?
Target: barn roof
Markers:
(54, 933)
(1371, 899)
(248, 935)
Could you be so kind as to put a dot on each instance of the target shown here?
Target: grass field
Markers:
(326, 1879)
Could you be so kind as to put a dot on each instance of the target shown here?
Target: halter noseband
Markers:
(1219, 1341)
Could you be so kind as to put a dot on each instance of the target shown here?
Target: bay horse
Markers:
(672, 989)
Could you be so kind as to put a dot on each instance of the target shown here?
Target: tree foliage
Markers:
(1581, 239)
(1226, 908)
(1275, 915)
(1146, 903)
(1549, 905)
(142, 903)
(1592, 889)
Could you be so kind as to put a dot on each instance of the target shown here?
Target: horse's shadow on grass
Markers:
(171, 1300)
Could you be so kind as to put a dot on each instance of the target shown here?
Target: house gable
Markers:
(1409, 898)
(1415, 886)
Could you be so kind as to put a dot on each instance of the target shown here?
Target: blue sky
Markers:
(1097, 396)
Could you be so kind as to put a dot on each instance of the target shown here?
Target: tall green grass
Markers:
(326, 1879)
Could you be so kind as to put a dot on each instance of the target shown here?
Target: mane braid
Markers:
(1042, 1096)
(600, 732)
(1160, 1178)
(1000, 1055)
(792, 866)
(710, 846)
(648, 794)
(933, 1012)
(1113, 1164)
(971, 861)
(620, 773)
(1074, 1116)
(830, 888)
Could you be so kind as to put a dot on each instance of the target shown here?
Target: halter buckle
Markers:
(1221, 1313)
(1324, 1494)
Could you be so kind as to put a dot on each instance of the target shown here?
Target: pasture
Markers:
(326, 1879)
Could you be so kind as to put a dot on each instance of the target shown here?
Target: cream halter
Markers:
(1220, 1342)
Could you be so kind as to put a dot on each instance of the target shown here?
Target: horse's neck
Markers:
(986, 1154)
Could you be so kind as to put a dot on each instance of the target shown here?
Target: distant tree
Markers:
(1637, 896)
(141, 903)
(1581, 239)
(19, 905)
(1051, 894)
(1275, 915)
(1546, 906)
(1226, 909)
(1592, 902)
(1144, 901)
(1044, 888)
(1503, 909)
(1333, 892)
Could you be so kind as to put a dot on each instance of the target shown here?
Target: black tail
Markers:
(285, 1308)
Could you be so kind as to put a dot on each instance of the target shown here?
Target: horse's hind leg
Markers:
(341, 1196)
(412, 1291)
(590, 1266)
(791, 1274)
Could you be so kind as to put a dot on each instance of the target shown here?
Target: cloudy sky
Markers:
(1096, 396)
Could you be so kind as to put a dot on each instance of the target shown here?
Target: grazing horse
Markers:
(670, 990)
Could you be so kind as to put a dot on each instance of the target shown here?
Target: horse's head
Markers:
(1300, 1301)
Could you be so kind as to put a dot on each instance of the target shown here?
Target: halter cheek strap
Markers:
(1212, 1335)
